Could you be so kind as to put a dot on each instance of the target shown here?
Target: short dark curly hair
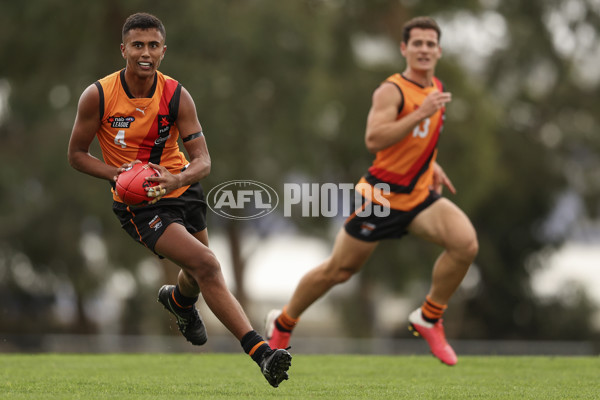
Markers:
(422, 23)
(143, 21)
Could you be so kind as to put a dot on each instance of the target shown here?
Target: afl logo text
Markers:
(242, 200)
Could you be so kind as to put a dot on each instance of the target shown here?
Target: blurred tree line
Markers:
(282, 91)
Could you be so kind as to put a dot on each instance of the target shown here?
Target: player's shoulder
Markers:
(166, 78)
(92, 98)
(389, 89)
(89, 102)
(112, 77)
(394, 78)
(90, 95)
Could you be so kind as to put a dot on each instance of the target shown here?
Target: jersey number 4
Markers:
(420, 130)
(120, 139)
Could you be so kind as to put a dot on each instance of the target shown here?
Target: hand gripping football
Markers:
(131, 184)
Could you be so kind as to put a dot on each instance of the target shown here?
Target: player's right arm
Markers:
(87, 123)
(383, 127)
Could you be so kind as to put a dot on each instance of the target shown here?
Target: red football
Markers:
(131, 184)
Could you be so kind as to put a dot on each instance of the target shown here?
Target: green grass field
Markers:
(233, 376)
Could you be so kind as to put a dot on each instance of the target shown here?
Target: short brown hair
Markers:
(143, 21)
(422, 23)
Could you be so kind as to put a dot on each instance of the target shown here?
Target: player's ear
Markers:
(123, 50)
(403, 48)
(163, 52)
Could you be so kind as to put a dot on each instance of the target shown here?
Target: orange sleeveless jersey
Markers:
(140, 128)
(407, 166)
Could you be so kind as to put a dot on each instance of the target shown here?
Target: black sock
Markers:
(280, 327)
(255, 346)
(432, 320)
(183, 301)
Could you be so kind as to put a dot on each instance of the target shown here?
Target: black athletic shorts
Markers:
(373, 228)
(145, 224)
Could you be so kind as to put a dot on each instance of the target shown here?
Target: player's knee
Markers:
(345, 274)
(468, 248)
(340, 273)
(205, 267)
(473, 247)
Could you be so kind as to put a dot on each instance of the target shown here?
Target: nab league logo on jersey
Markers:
(120, 122)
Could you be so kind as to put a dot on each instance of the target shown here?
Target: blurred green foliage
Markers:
(282, 96)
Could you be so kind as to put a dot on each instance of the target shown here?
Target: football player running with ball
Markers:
(403, 127)
(138, 114)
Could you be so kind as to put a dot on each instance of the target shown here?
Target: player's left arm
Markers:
(440, 179)
(190, 131)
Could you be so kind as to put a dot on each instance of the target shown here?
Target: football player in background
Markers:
(403, 127)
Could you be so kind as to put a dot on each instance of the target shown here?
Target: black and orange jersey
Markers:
(140, 128)
(407, 166)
